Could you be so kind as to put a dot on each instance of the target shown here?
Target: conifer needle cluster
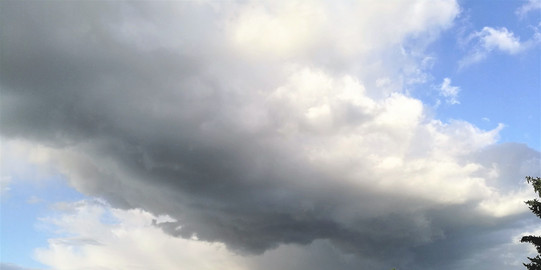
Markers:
(535, 207)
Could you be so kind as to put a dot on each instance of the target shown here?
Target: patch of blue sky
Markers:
(502, 87)
(495, 13)
(489, 96)
(26, 201)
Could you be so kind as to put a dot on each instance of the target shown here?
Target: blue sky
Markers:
(502, 88)
(30, 197)
(181, 122)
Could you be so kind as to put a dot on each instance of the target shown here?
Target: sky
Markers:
(268, 134)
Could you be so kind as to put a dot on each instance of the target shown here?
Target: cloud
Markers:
(500, 39)
(9, 266)
(251, 142)
(531, 5)
(298, 26)
(4, 184)
(449, 92)
(491, 39)
(126, 240)
(93, 235)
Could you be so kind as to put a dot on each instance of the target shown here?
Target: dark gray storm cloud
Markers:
(162, 106)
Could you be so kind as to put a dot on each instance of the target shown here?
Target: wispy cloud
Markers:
(4, 184)
(449, 92)
(531, 5)
(488, 40)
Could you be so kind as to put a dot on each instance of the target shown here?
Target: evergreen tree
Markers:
(535, 206)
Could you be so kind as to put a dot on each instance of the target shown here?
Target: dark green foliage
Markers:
(535, 206)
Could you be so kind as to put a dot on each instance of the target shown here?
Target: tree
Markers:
(535, 206)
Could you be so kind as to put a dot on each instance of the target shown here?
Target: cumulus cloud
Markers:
(253, 135)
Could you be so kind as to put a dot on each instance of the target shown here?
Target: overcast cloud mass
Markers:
(278, 132)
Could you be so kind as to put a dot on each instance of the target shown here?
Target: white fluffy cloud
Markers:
(92, 235)
(500, 39)
(348, 29)
(491, 39)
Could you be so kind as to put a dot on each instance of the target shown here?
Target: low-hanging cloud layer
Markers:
(257, 125)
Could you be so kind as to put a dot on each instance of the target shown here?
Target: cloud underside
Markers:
(101, 236)
(256, 129)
